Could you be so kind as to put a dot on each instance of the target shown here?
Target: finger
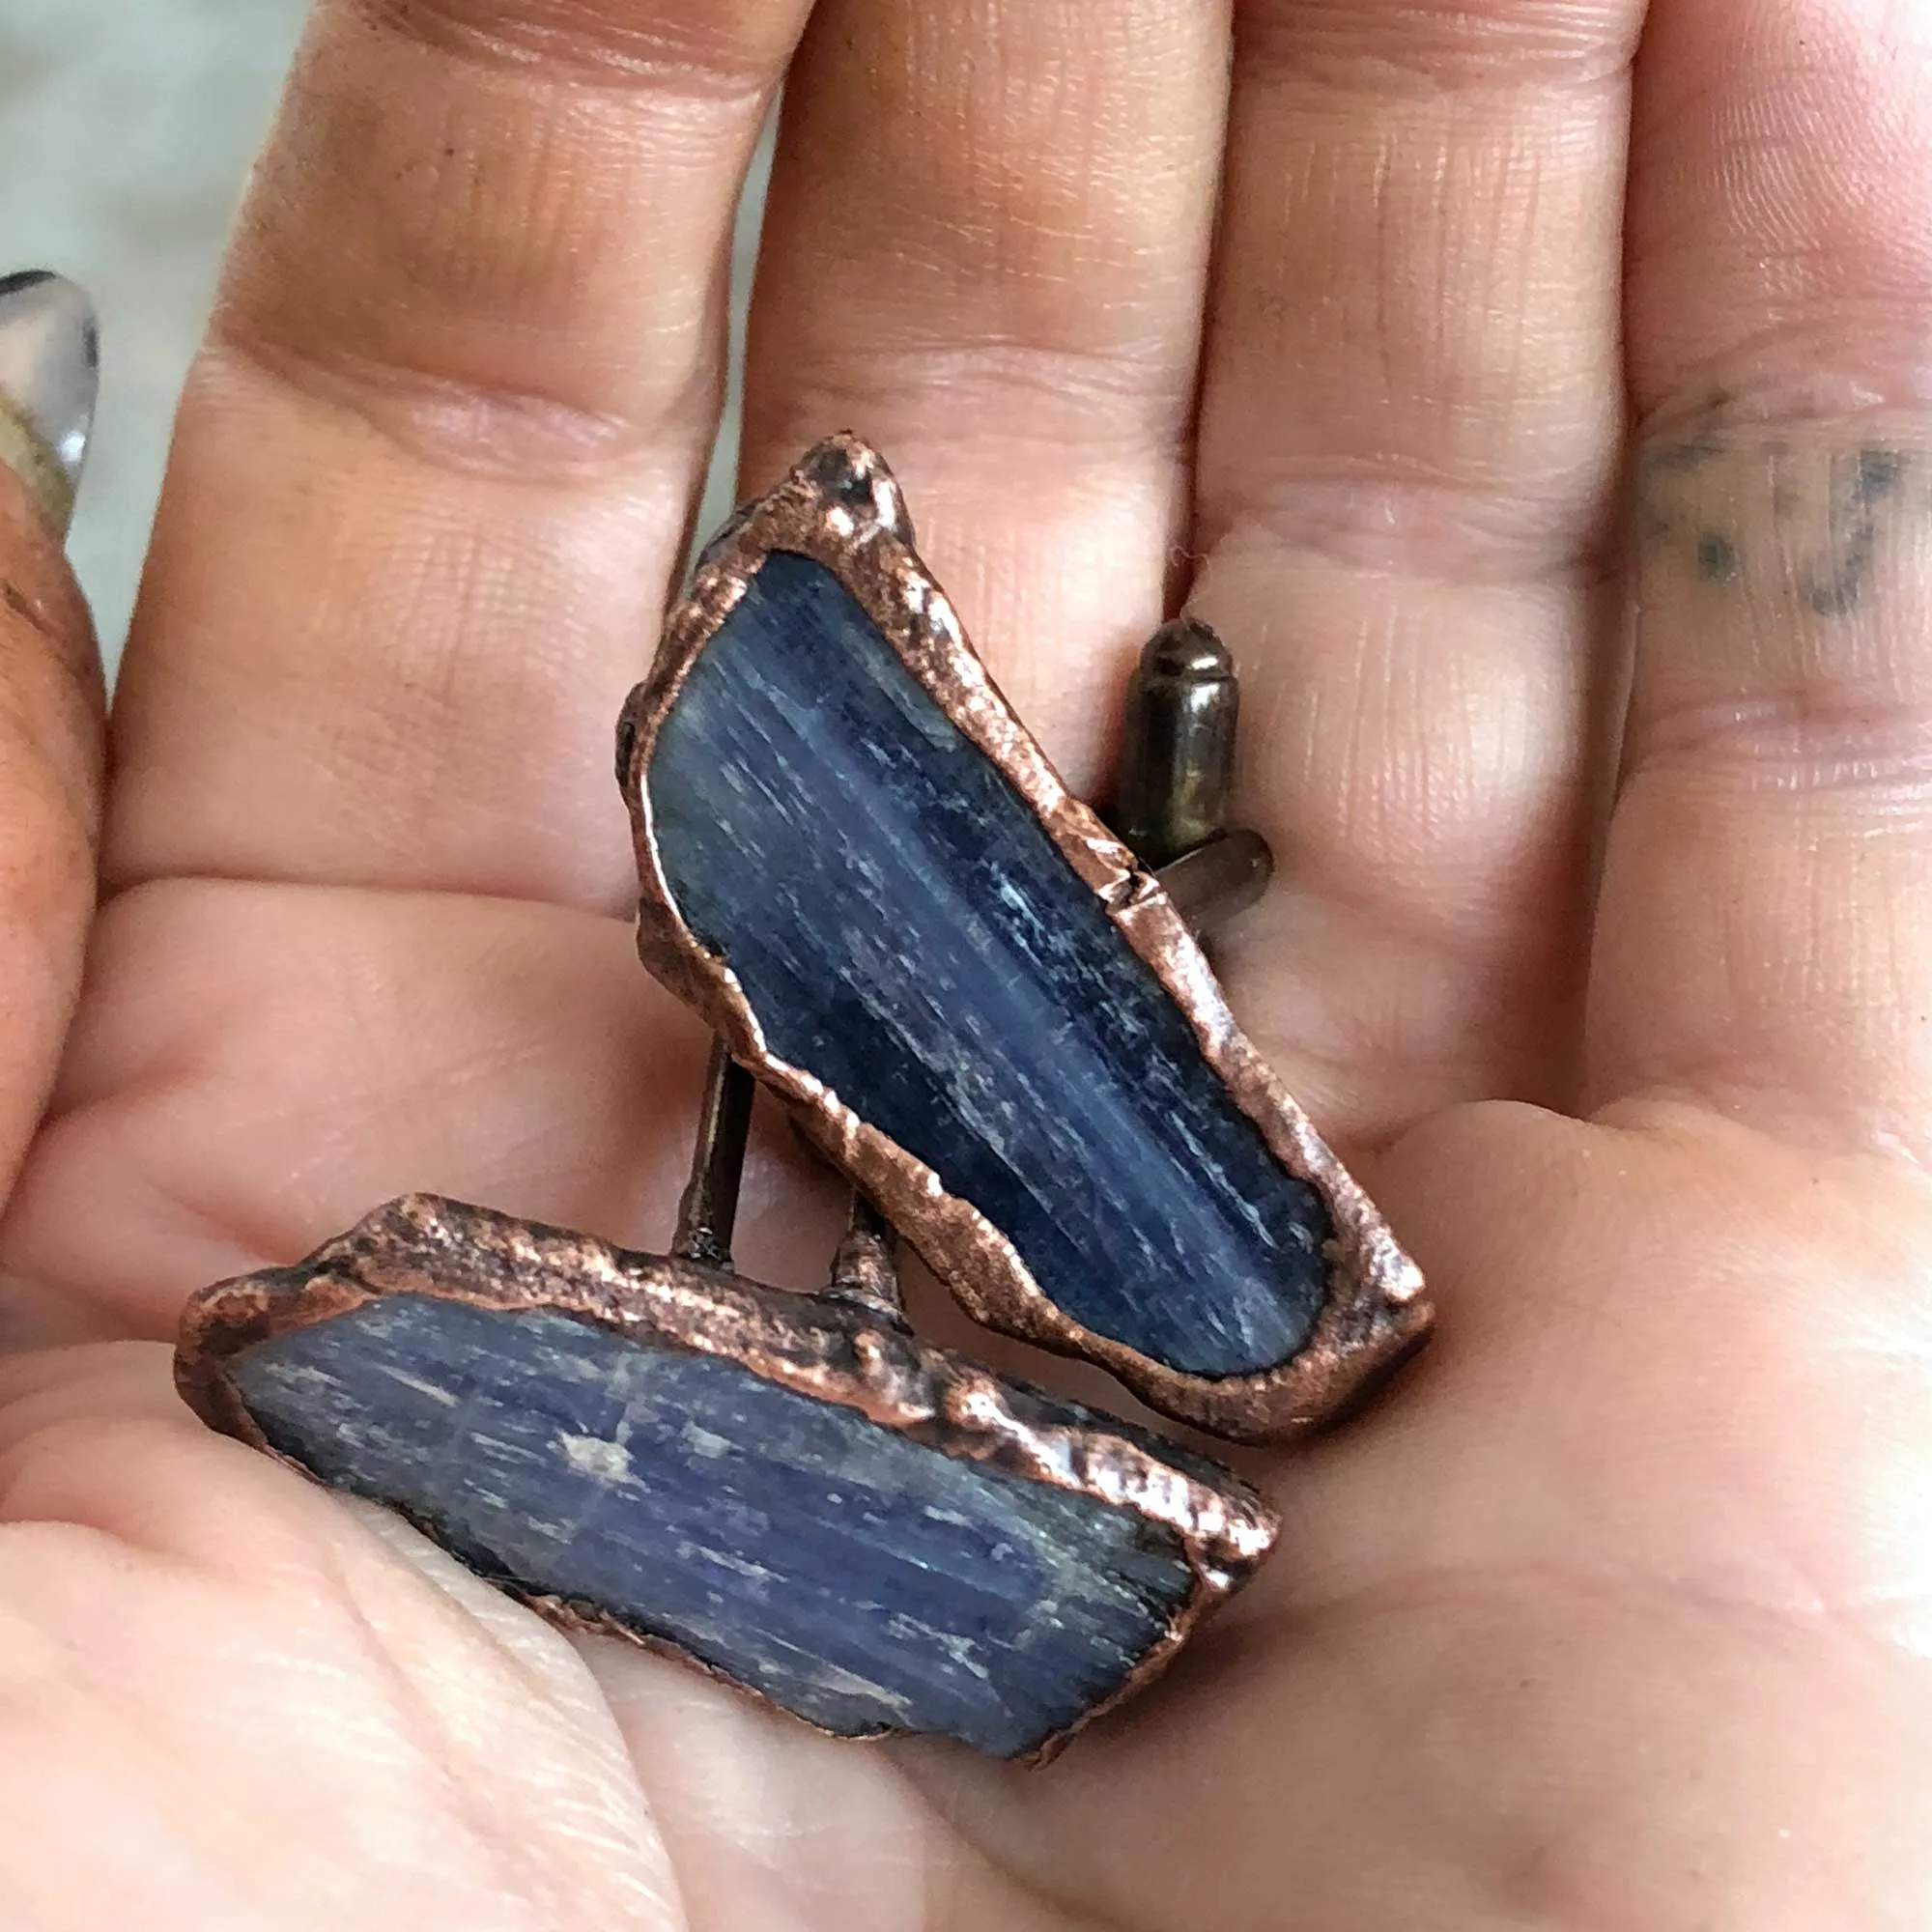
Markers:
(1410, 435)
(1765, 933)
(50, 694)
(254, 1068)
(433, 468)
(987, 253)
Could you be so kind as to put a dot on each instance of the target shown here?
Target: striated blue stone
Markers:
(856, 1577)
(907, 932)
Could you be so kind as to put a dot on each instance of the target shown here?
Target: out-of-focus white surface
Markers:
(126, 128)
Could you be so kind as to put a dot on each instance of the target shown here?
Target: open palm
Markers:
(1619, 1612)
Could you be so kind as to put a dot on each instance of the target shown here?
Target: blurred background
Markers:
(126, 129)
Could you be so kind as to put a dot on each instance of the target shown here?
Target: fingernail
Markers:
(50, 378)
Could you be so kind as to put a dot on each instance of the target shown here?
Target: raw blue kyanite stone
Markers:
(856, 1575)
(906, 931)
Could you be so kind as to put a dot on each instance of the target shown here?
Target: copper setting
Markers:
(842, 508)
(847, 1348)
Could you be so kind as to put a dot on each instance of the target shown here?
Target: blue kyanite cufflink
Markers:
(787, 1490)
(861, 870)
(992, 1015)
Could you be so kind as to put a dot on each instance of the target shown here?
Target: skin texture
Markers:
(1602, 945)
(50, 752)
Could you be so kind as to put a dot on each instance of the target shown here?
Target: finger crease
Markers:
(1440, 49)
(591, 45)
(1011, 393)
(1799, 742)
(1431, 530)
(472, 428)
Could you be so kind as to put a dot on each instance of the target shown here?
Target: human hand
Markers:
(51, 701)
(1615, 1613)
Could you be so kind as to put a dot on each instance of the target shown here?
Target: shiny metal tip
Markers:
(49, 381)
(1188, 651)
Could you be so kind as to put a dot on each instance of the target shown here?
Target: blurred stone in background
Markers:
(126, 128)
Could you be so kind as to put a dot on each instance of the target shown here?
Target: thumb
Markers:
(50, 692)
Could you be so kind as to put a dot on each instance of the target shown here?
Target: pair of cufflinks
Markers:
(990, 1014)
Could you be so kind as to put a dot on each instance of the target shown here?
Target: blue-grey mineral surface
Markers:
(857, 1575)
(907, 930)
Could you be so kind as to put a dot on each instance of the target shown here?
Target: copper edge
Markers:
(829, 1350)
(842, 508)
